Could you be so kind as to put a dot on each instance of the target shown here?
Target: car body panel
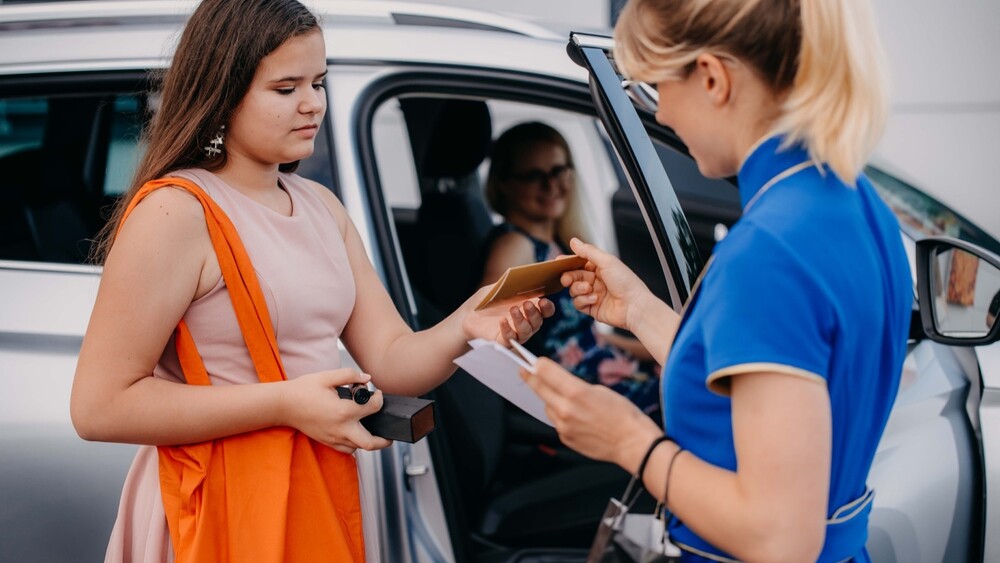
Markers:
(989, 440)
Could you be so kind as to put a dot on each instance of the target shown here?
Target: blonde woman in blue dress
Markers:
(781, 373)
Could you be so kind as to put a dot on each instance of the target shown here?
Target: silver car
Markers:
(416, 93)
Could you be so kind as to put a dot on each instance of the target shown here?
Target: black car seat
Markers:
(52, 190)
(450, 139)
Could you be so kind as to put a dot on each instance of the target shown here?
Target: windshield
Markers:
(921, 215)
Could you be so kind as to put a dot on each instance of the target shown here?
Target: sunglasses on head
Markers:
(541, 177)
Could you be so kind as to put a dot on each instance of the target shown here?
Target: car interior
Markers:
(517, 487)
(52, 171)
(65, 160)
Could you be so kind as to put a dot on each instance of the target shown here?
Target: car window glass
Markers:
(66, 159)
(923, 215)
(22, 123)
(395, 158)
(60, 159)
(711, 205)
(124, 149)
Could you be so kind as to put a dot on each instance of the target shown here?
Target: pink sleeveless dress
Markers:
(302, 266)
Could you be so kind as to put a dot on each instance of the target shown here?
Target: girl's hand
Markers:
(605, 289)
(312, 406)
(503, 321)
(591, 419)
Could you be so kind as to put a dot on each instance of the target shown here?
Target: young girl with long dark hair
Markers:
(228, 282)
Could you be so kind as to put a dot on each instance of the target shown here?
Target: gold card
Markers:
(540, 278)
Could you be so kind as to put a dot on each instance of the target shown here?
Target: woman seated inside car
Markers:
(532, 184)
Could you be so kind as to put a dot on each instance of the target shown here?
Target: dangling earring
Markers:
(217, 144)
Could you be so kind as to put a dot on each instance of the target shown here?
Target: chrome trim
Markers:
(643, 94)
(583, 40)
(118, 11)
(83, 66)
(50, 267)
(73, 14)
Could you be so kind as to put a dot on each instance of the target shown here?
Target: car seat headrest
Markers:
(450, 137)
(69, 133)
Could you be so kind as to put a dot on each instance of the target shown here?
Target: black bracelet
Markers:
(670, 469)
(645, 458)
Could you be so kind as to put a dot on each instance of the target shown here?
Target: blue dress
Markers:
(813, 282)
(570, 338)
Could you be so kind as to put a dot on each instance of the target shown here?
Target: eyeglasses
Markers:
(642, 93)
(540, 177)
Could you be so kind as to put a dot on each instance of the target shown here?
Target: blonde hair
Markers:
(506, 153)
(822, 58)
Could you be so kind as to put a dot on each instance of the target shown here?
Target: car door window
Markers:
(62, 158)
(66, 158)
(671, 235)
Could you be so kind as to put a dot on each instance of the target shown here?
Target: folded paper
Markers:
(540, 278)
(498, 368)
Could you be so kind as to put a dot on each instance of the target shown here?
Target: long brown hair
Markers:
(218, 54)
(821, 58)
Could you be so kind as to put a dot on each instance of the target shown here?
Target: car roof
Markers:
(107, 35)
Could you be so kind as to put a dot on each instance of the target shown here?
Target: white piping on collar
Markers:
(770, 183)
(756, 145)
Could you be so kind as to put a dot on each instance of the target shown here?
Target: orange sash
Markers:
(266, 496)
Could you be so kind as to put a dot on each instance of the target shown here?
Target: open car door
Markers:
(668, 227)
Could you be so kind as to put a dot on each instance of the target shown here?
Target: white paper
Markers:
(497, 368)
(525, 354)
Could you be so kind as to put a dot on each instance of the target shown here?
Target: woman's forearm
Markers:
(717, 506)
(416, 362)
(654, 324)
(158, 412)
(629, 344)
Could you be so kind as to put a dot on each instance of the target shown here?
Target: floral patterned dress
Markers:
(571, 338)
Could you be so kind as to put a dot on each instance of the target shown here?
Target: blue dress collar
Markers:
(766, 160)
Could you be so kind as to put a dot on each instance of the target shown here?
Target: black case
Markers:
(404, 419)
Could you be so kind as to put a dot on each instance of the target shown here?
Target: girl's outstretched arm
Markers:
(162, 260)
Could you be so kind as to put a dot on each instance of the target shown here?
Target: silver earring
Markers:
(216, 144)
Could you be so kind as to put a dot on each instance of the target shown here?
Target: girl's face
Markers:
(279, 117)
(539, 184)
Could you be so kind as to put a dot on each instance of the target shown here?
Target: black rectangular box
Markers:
(404, 419)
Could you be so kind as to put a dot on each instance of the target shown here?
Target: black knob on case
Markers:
(362, 395)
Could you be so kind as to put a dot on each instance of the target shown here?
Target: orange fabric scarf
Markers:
(271, 495)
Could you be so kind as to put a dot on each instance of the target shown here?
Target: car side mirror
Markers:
(958, 287)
